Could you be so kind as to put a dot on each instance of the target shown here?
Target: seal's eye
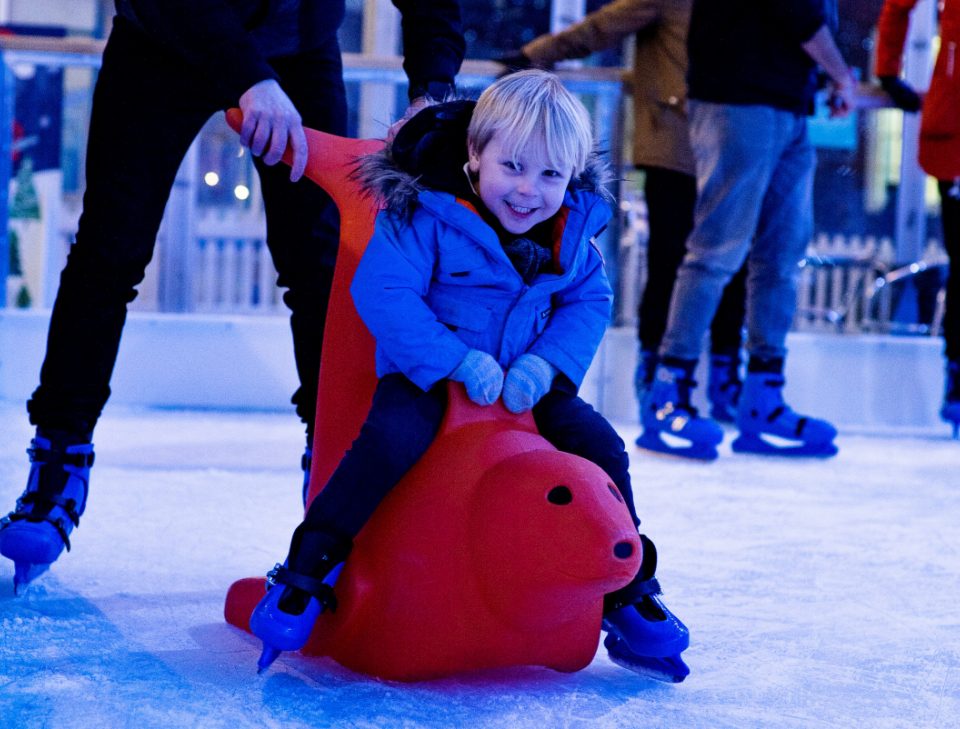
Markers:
(560, 495)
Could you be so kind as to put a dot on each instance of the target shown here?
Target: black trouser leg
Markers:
(302, 222)
(950, 217)
(146, 112)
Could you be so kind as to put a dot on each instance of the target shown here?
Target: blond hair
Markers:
(533, 106)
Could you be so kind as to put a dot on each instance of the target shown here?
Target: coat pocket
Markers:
(461, 262)
(461, 314)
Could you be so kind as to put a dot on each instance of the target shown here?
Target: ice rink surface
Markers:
(819, 593)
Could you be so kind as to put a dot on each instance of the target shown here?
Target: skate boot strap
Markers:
(45, 503)
(51, 457)
(632, 594)
(317, 588)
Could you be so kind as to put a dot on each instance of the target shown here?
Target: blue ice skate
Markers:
(724, 386)
(35, 533)
(769, 426)
(671, 669)
(642, 634)
(285, 616)
(950, 412)
(666, 411)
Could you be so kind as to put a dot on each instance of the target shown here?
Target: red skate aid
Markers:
(494, 550)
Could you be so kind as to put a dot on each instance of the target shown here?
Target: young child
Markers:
(481, 270)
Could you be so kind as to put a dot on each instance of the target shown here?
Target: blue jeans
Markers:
(402, 423)
(754, 183)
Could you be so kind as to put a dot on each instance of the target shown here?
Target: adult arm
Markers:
(210, 36)
(822, 49)
(433, 46)
(892, 35)
(603, 28)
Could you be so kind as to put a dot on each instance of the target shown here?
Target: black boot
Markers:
(36, 532)
(298, 592)
(643, 635)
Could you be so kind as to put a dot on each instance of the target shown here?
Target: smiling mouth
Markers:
(520, 209)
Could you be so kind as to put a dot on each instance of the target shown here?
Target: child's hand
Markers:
(528, 379)
(481, 375)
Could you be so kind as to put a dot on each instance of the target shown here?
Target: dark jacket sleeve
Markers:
(208, 34)
(800, 18)
(433, 45)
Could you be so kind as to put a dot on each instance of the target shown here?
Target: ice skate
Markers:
(950, 411)
(769, 426)
(724, 386)
(642, 634)
(666, 411)
(35, 533)
(296, 597)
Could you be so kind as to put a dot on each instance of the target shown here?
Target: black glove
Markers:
(902, 94)
(514, 61)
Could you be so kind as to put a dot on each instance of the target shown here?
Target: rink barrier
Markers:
(847, 284)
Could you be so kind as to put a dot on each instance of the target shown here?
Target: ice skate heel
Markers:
(667, 416)
(769, 426)
(298, 595)
(724, 386)
(950, 412)
(36, 532)
(642, 634)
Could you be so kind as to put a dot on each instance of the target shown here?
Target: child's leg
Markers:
(402, 423)
(643, 635)
(572, 425)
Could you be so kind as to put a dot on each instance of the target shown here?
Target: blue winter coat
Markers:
(437, 283)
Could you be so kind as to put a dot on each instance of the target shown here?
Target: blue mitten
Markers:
(528, 379)
(481, 375)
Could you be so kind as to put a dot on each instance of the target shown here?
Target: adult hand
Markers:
(901, 93)
(528, 379)
(270, 124)
(480, 373)
(843, 95)
(416, 105)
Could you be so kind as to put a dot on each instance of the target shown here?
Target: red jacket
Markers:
(940, 125)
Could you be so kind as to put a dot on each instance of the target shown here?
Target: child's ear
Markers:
(473, 159)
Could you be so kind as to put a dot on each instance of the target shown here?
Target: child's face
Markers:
(519, 192)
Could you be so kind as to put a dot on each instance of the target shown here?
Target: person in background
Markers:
(752, 79)
(661, 148)
(939, 154)
(167, 67)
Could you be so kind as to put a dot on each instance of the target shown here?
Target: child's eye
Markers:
(511, 165)
(551, 173)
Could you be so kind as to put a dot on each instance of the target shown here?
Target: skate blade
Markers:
(24, 573)
(670, 669)
(771, 445)
(651, 440)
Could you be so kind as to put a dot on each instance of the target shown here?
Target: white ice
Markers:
(819, 593)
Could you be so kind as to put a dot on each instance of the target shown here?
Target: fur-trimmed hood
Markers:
(430, 151)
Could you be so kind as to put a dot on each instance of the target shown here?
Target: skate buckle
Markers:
(272, 575)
